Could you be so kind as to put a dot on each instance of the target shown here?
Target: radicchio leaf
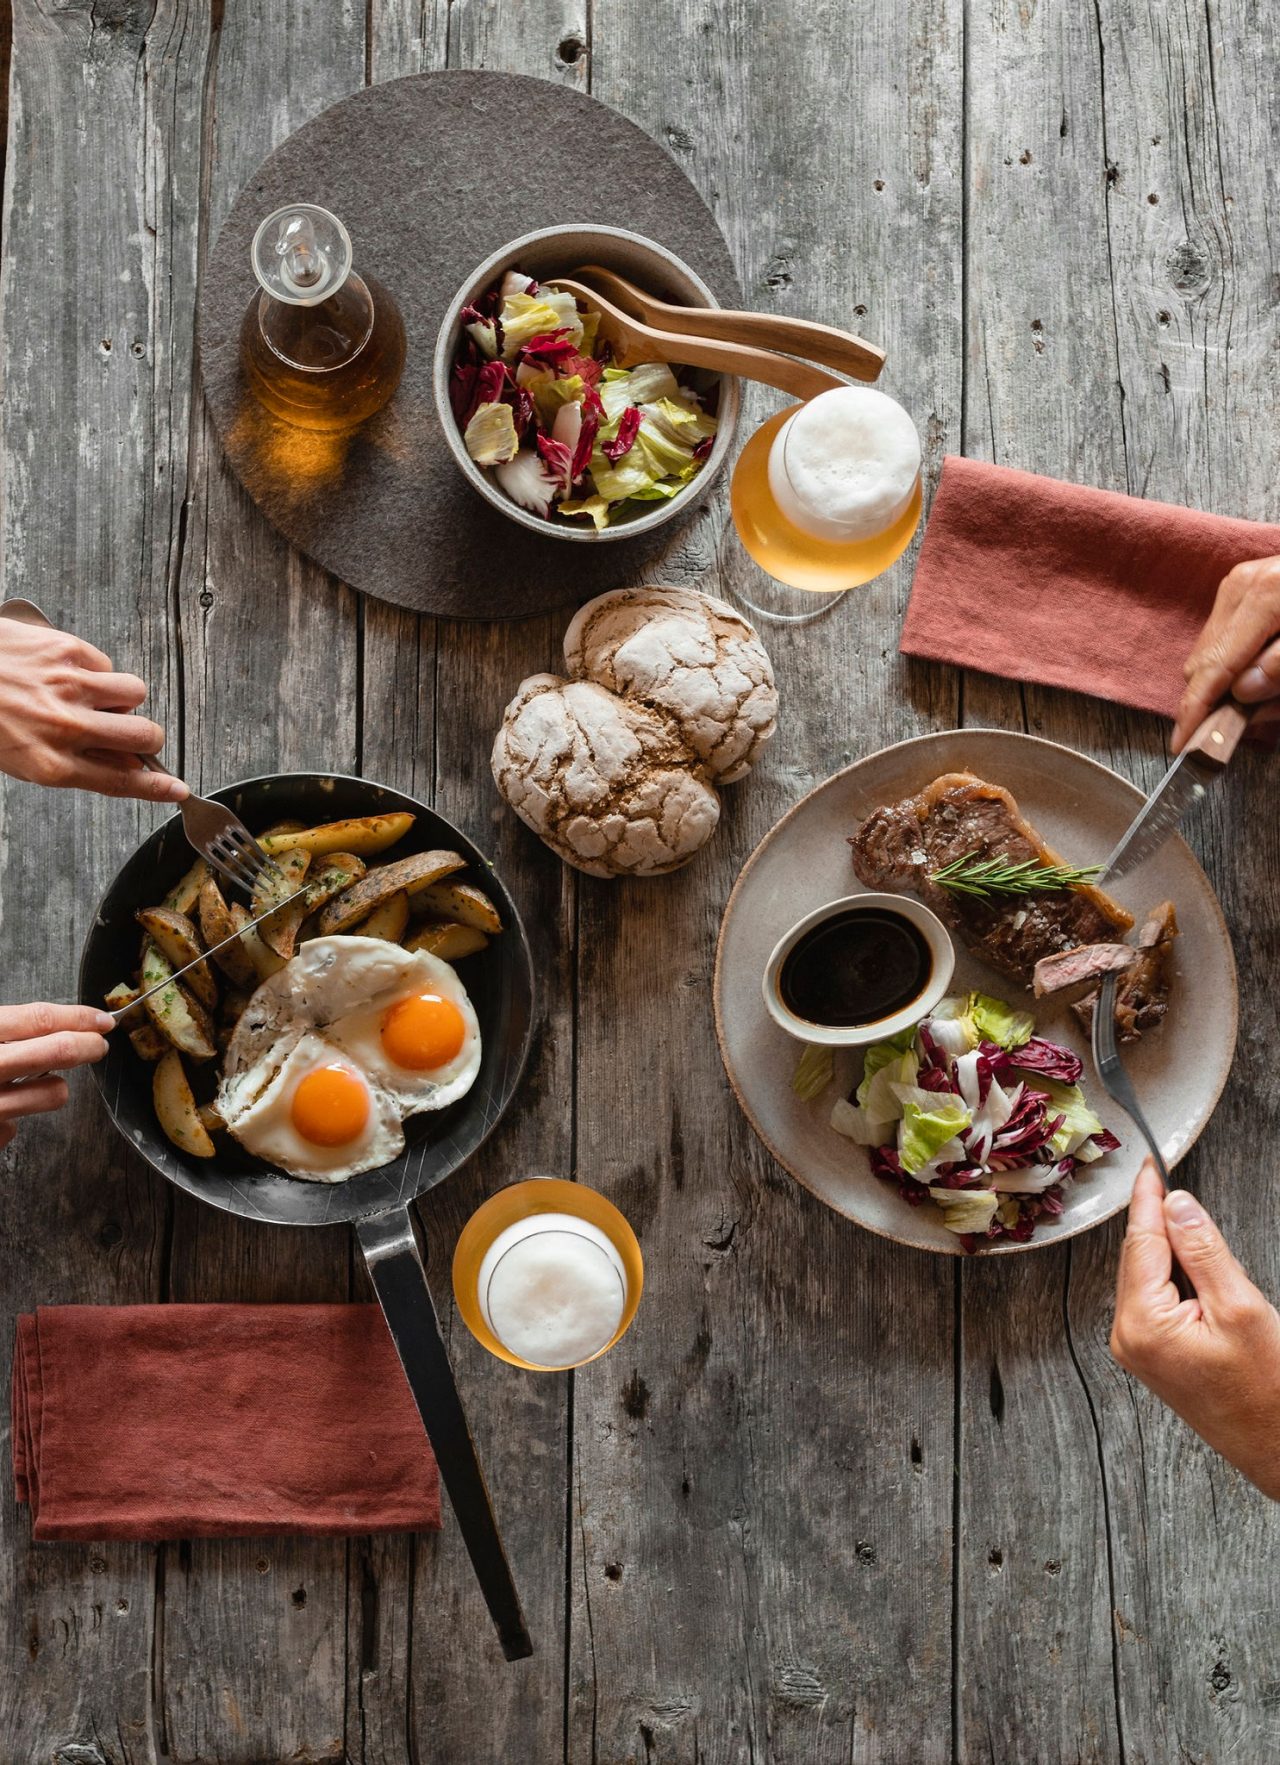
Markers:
(489, 387)
(628, 429)
(586, 367)
(886, 1163)
(549, 349)
(1024, 1133)
(1048, 1058)
(522, 409)
(484, 321)
(557, 459)
(462, 383)
(591, 414)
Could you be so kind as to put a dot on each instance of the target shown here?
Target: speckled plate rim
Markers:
(1065, 1231)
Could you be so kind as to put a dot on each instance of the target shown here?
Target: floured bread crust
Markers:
(616, 768)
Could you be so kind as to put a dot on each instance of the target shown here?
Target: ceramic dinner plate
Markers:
(1081, 809)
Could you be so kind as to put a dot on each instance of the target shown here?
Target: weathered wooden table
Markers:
(831, 1500)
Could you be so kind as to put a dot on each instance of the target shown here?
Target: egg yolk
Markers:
(330, 1106)
(423, 1032)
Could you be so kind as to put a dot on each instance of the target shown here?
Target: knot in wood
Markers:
(1189, 268)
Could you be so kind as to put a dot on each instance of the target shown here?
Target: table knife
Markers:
(122, 1011)
(1196, 768)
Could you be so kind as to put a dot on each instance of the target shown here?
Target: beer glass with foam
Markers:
(547, 1274)
(827, 494)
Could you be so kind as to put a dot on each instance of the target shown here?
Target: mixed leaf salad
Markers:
(974, 1111)
(565, 433)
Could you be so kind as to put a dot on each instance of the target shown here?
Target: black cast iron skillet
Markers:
(500, 982)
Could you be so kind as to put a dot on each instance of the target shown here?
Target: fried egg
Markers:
(418, 1039)
(357, 1034)
(316, 1116)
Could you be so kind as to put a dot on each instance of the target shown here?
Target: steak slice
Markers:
(1072, 973)
(1142, 996)
(900, 845)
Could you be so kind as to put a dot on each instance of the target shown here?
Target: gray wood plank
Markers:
(1187, 120)
(97, 296)
(763, 1470)
(423, 1660)
(1075, 317)
(1041, 392)
(254, 1634)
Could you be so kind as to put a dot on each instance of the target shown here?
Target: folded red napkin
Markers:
(1039, 580)
(207, 1421)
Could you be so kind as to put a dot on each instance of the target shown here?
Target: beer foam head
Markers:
(845, 466)
(552, 1289)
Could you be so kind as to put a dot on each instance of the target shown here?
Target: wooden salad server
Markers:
(633, 342)
(817, 343)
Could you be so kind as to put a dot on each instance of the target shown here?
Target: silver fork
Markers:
(1115, 1080)
(1119, 1087)
(216, 833)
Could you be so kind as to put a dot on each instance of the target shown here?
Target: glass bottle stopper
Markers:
(301, 254)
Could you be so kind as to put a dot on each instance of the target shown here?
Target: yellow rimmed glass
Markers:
(516, 1204)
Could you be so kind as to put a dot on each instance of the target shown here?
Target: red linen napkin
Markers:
(1038, 580)
(208, 1421)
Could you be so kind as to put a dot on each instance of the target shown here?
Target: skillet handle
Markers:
(400, 1281)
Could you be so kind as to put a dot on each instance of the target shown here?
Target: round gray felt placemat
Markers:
(431, 174)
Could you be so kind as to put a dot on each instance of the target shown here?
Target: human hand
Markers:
(1233, 653)
(1214, 1358)
(44, 1039)
(61, 719)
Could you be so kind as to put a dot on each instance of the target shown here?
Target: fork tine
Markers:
(232, 868)
(238, 845)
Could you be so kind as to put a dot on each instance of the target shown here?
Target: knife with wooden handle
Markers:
(1196, 768)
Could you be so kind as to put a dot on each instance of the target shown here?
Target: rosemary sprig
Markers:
(981, 878)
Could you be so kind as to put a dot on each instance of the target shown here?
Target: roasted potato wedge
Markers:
(282, 827)
(210, 1118)
(122, 996)
(184, 895)
(330, 875)
(450, 942)
(387, 921)
(148, 1043)
(176, 1108)
(218, 921)
(275, 885)
(377, 886)
(264, 959)
(177, 1014)
(462, 902)
(365, 834)
(180, 942)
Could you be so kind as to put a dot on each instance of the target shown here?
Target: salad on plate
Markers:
(970, 1110)
(567, 434)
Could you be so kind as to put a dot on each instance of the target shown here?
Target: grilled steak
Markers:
(897, 847)
(1072, 973)
(1142, 996)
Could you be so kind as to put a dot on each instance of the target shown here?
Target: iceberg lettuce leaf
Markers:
(966, 1210)
(490, 437)
(1000, 1023)
(928, 1125)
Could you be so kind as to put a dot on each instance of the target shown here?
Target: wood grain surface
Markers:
(829, 1501)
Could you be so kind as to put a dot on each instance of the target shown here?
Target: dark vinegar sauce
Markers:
(856, 968)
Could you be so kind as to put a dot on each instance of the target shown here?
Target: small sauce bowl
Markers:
(941, 961)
